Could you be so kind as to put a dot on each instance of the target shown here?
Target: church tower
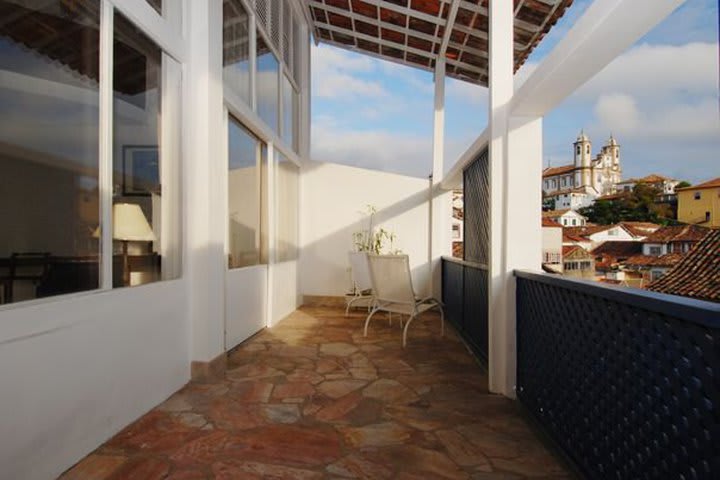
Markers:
(583, 147)
(613, 149)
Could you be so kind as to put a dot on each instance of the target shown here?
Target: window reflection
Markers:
(48, 148)
(236, 49)
(290, 114)
(267, 84)
(137, 170)
(247, 228)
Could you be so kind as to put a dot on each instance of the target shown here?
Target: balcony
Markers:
(313, 398)
(625, 385)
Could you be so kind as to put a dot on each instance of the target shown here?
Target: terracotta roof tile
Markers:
(555, 213)
(574, 238)
(621, 249)
(587, 230)
(552, 171)
(546, 222)
(697, 275)
(677, 233)
(640, 229)
(615, 196)
(650, 261)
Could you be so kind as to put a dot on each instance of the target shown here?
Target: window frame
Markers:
(166, 31)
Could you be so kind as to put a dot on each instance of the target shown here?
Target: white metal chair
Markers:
(362, 286)
(393, 290)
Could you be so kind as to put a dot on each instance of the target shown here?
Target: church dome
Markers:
(582, 137)
(612, 142)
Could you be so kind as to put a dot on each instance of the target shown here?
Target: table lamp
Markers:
(130, 225)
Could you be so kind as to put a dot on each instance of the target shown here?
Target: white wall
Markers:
(245, 301)
(76, 370)
(333, 198)
(619, 234)
(551, 240)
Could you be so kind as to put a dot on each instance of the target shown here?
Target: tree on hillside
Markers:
(637, 206)
(683, 184)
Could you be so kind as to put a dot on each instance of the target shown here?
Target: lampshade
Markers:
(129, 223)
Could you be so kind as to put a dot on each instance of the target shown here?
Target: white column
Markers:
(501, 326)
(204, 164)
(515, 201)
(440, 204)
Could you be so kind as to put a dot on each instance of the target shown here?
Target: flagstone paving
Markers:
(313, 399)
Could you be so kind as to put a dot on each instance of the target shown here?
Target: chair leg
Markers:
(367, 321)
(410, 319)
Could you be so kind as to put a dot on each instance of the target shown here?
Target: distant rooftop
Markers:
(677, 233)
(697, 275)
(714, 183)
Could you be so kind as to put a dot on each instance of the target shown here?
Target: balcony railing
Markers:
(465, 294)
(626, 382)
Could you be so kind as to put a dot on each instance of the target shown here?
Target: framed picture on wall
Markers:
(141, 170)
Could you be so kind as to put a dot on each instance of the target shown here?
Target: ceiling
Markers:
(413, 32)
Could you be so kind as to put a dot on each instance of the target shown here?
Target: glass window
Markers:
(267, 84)
(236, 49)
(49, 203)
(697, 196)
(287, 197)
(290, 114)
(246, 229)
(141, 197)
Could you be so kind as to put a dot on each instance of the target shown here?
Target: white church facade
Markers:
(577, 185)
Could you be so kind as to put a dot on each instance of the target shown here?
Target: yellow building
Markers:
(700, 204)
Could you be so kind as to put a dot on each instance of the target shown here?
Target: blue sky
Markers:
(659, 99)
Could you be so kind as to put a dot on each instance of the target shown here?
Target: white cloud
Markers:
(655, 71)
(375, 149)
(618, 111)
(336, 75)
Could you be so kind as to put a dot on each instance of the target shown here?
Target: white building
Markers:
(587, 177)
(552, 242)
(566, 218)
(666, 185)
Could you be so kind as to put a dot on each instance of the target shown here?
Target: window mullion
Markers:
(106, 144)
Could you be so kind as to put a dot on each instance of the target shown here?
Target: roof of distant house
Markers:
(546, 222)
(677, 233)
(652, 178)
(640, 229)
(590, 229)
(620, 249)
(615, 196)
(714, 183)
(552, 171)
(650, 261)
(558, 213)
(697, 275)
(568, 250)
(573, 238)
(580, 191)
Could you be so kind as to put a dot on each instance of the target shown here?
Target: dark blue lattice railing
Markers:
(626, 382)
(464, 293)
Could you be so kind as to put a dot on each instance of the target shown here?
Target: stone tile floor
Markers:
(313, 399)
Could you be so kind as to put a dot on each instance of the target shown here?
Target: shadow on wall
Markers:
(333, 201)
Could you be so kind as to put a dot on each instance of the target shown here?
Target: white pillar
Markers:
(515, 201)
(204, 266)
(440, 204)
(501, 331)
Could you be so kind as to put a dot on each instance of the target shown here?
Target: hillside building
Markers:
(577, 185)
